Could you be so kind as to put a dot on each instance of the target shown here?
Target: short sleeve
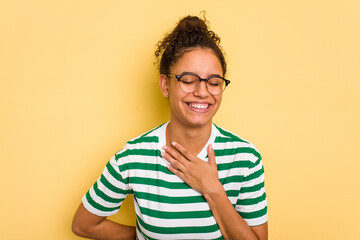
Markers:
(107, 194)
(252, 203)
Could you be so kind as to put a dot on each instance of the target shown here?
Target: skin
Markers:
(188, 125)
(88, 225)
(187, 133)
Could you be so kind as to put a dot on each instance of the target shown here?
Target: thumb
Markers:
(211, 155)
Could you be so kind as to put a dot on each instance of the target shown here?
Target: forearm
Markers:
(88, 225)
(231, 224)
(108, 230)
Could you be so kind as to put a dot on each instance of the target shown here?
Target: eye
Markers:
(215, 82)
(188, 79)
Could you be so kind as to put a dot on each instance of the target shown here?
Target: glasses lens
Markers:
(189, 83)
(215, 85)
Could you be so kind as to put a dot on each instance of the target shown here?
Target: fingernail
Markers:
(165, 147)
(173, 143)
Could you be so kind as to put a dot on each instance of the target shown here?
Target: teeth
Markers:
(200, 106)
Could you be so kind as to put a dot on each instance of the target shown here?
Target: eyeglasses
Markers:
(189, 82)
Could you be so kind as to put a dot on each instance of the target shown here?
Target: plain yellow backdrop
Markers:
(77, 81)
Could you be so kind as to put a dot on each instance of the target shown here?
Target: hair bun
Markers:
(190, 32)
(192, 24)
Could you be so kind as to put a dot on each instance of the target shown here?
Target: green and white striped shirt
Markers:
(168, 208)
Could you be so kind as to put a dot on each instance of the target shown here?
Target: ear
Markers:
(164, 85)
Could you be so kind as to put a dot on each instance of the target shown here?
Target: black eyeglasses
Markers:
(189, 82)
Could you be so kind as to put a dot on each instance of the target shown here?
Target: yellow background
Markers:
(77, 80)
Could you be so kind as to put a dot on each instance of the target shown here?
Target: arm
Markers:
(203, 177)
(86, 224)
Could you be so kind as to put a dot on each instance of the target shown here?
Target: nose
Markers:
(201, 91)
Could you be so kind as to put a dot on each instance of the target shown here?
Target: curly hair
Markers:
(189, 33)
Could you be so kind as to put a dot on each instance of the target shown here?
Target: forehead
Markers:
(201, 61)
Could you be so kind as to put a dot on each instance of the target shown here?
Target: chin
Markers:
(196, 123)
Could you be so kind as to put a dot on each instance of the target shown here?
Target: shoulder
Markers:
(229, 143)
(143, 144)
(226, 136)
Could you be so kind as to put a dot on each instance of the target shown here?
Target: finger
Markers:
(176, 163)
(174, 153)
(183, 151)
(211, 155)
(176, 172)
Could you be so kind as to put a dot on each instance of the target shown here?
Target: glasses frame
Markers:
(179, 76)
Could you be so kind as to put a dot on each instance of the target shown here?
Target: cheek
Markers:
(218, 98)
(174, 99)
(176, 94)
(218, 101)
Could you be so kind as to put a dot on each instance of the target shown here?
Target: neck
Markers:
(192, 138)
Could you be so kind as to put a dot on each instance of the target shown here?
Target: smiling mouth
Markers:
(199, 105)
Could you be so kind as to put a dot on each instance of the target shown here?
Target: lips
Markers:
(199, 105)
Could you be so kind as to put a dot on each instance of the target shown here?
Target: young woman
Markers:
(190, 178)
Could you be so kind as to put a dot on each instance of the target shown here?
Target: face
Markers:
(194, 109)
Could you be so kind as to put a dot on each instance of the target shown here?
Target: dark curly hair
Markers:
(190, 32)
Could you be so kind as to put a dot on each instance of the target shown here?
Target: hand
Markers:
(200, 175)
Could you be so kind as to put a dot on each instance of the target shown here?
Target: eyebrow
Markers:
(211, 75)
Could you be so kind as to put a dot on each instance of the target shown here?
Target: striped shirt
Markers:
(166, 207)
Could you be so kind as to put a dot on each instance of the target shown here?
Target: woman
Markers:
(190, 178)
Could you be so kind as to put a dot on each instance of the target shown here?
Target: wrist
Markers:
(215, 193)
